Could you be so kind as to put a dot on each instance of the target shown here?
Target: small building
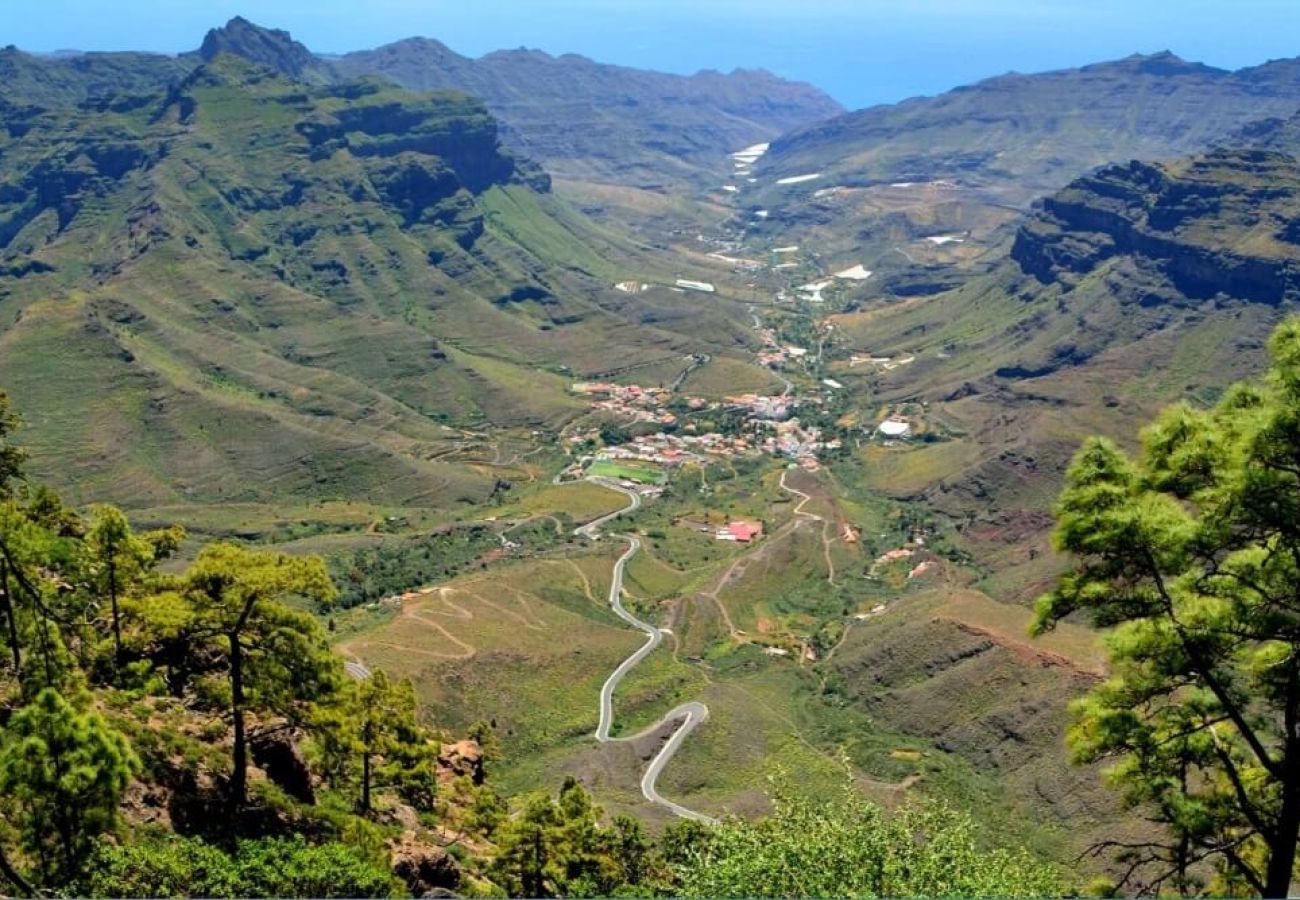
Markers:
(744, 530)
(894, 427)
(702, 286)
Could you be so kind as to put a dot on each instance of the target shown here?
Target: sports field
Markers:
(606, 468)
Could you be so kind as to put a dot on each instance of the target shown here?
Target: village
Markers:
(768, 428)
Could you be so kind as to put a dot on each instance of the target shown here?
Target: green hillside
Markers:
(251, 291)
(742, 496)
(1134, 287)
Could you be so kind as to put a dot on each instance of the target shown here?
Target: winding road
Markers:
(688, 716)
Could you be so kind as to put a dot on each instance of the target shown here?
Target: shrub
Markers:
(189, 867)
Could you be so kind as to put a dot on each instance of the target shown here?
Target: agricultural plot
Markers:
(525, 646)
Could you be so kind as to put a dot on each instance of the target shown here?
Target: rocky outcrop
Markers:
(278, 755)
(73, 174)
(426, 870)
(454, 134)
(1216, 225)
(268, 47)
(414, 184)
(463, 759)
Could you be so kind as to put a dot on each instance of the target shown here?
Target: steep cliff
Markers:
(1222, 224)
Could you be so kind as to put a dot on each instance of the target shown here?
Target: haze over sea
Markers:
(860, 51)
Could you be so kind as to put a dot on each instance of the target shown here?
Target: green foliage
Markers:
(118, 559)
(1191, 554)
(86, 617)
(557, 847)
(373, 738)
(48, 629)
(11, 456)
(277, 661)
(188, 867)
(391, 568)
(852, 848)
(62, 773)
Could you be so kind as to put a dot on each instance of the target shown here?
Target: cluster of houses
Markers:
(773, 355)
(676, 449)
(760, 406)
(628, 401)
(794, 440)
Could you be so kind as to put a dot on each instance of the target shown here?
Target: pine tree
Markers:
(276, 659)
(1191, 556)
(62, 773)
(374, 733)
(11, 457)
(119, 560)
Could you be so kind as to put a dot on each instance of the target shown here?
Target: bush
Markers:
(189, 867)
(853, 848)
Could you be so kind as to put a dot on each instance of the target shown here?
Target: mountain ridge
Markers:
(621, 130)
(1114, 110)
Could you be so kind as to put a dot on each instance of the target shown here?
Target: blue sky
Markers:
(861, 51)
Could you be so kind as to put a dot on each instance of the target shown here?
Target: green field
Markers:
(606, 468)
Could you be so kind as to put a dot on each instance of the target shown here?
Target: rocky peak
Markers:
(269, 47)
(1168, 64)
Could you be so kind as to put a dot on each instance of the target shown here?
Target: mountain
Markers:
(251, 290)
(877, 183)
(585, 120)
(273, 48)
(1134, 286)
(69, 79)
(1042, 130)
(578, 118)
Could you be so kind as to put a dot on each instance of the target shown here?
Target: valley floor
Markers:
(842, 634)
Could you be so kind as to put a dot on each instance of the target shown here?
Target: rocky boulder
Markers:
(463, 759)
(279, 756)
(425, 869)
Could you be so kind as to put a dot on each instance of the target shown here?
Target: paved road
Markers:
(688, 715)
(592, 529)
(653, 638)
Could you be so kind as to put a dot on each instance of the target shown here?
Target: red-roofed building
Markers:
(745, 531)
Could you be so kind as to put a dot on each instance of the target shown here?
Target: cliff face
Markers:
(455, 128)
(424, 158)
(1224, 223)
